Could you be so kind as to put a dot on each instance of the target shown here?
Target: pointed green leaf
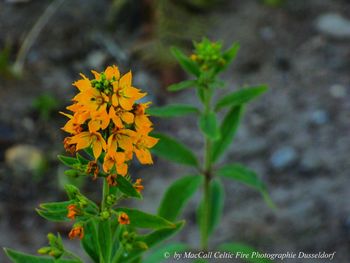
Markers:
(144, 220)
(173, 110)
(151, 240)
(104, 240)
(236, 248)
(172, 150)
(182, 85)
(228, 130)
(19, 257)
(246, 176)
(208, 125)
(177, 195)
(160, 255)
(126, 187)
(90, 240)
(69, 161)
(186, 63)
(55, 211)
(229, 55)
(241, 96)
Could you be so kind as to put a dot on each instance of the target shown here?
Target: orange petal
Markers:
(127, 117)
(125, 103)
(125, 80)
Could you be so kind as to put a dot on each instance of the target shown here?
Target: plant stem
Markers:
(105, 192)
(207, 178)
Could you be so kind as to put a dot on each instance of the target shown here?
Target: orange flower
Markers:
(123, 219)
(99, 120)
(138, 185)
(142, 146)
(72, 211)
(124, 94)
(122, 138)
(92, 99)
(115, 158)
(85, 139)
(119, 116)
(141, 118)
(77, 231)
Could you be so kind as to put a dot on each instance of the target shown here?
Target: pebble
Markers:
(283, 157)
(319, 117)
(96, 59)
(333, 25)
(337, 91)
(24, 158)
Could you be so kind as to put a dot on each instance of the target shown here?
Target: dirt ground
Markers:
(295, 136)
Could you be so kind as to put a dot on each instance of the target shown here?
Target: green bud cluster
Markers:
(103, 84)
(55, 249)
(208, 54)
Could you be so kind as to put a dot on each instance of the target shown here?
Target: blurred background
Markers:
(296, 136)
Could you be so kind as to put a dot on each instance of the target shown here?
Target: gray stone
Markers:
(319, 117)
(337, 91)
(23, 158)
(333, 25)
(283, 157)
(96, 60)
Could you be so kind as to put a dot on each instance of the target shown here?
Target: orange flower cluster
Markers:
(107, 117)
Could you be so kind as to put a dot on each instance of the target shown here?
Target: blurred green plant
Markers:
(205, 64)
(273, 3)
(45, 105)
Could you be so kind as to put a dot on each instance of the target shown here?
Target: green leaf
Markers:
(82, 159)
(144, 220)
(19, 257)
(228, 130)
(90, 240)
(186, 63)
(246, 176)
(216, 206)
(229, 55)
(172, 150)
(241, 96)
(126, 187)
(182, 85)
(104, 240)
(208, 125)
(236, 248)
(173, 110)
(56, 211)
(69, 161)
(151, 240)
(159, 255)
(177, 195)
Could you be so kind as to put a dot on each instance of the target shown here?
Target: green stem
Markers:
(72, 255)
(207, 178)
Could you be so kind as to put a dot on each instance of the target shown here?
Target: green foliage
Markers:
(19, 257)
(56, 211)
(246, 176)
(186, 84)
(127, 188)
(173, 150)
(46, 104)
(228, 130)
(216, 206)
(208, 125)
(173, 110)
(177, 195)
(144, 220)
(90, 241)
(240, 97)
(186, 63)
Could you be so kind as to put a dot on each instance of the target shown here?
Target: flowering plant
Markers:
(205, 64)
(107, 127)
